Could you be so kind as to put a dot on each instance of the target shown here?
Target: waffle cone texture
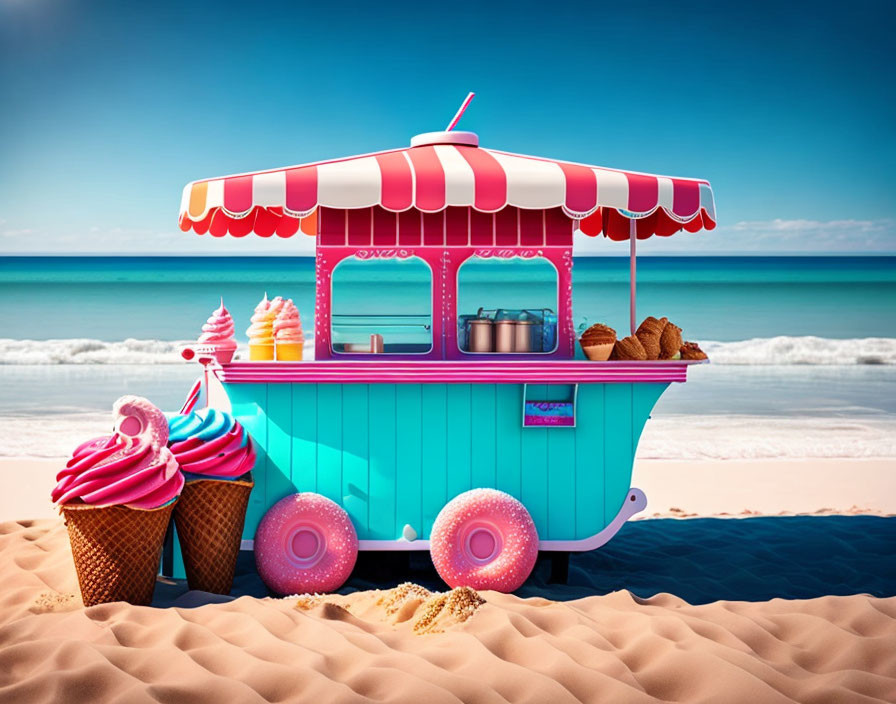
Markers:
(116, 551)
(209, 518)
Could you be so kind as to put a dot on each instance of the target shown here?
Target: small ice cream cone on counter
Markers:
(261, 332)
(216, 455)
(217, 334)
(597, 342)
(117, 494)
(288, 336)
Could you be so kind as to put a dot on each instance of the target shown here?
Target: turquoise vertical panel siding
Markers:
(355, 454)
(278, 468)
(589, 494)
(482, 434)
(409, 453)
(434, 445)
(329, 438)
(381, 446)
(457, 410)
(249, 403)
(618, 446)
(644, 398)
(304, 436)
(395, 454)
(508, 430)
(561, 482)
(534, 467)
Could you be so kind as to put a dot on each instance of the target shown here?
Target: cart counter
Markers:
(454, 372)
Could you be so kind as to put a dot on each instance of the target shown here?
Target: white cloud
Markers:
(779, 225)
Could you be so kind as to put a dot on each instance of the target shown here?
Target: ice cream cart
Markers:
(433, 421)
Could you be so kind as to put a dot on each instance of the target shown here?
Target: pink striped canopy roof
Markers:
(435, 175)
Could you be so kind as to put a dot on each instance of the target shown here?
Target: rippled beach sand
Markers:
(613, 634)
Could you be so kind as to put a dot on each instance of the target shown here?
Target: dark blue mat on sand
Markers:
(699, 560)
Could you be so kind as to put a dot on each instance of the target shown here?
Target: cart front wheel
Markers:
(484, 539)
(305, 543)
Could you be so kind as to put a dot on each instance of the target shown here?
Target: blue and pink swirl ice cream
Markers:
(210, 444)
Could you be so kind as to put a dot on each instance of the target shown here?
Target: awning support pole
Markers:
(632, 238)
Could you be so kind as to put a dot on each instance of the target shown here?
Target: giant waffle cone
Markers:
(209, 519)
(117, 551)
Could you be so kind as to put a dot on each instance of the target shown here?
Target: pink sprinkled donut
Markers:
(305, 543)
(484, 539)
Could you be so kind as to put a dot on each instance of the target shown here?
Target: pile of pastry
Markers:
(654, 339)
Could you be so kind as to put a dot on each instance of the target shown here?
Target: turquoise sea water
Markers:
(711, 298)
(803, 348)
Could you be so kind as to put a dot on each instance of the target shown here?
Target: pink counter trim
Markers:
(449, 372)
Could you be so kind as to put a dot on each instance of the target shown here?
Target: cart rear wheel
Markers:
(305, 543)
(484, 539)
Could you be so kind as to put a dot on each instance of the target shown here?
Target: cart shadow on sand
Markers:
(699, 560)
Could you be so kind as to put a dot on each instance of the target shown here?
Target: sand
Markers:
(759, 609)
(370, 645)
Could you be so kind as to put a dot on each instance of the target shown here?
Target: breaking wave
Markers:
(759, 351)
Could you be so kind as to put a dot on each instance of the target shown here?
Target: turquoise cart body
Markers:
(393, 455)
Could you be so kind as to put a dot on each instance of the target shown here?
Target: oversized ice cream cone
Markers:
(117, 550)
(217, 455)
(209, 519)
(117, 494)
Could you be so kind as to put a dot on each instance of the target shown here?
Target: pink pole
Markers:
(632, 238)
(460, 112)
(192, 397)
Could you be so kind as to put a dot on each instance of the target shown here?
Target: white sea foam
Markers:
(759, 351)
(719, 437)
(803, 350)
(87, 351)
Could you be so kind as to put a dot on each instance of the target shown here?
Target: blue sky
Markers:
(108, 109)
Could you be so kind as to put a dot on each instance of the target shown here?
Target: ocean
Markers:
(803, 349)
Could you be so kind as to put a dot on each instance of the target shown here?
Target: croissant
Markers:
(648, 335)
(691, 350)
(598, 334)
(628, 348)
(670, 341)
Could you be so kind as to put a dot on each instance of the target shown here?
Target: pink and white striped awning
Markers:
(443, 170)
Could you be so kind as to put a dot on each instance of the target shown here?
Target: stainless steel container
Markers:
(522, 336)
(480, 335)
(505, 331)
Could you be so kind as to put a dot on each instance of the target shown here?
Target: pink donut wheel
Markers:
(484, 539)
(305, 543)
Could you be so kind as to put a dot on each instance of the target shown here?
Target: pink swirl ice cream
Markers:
(130, 468)
(217, 333)
(288, 325)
